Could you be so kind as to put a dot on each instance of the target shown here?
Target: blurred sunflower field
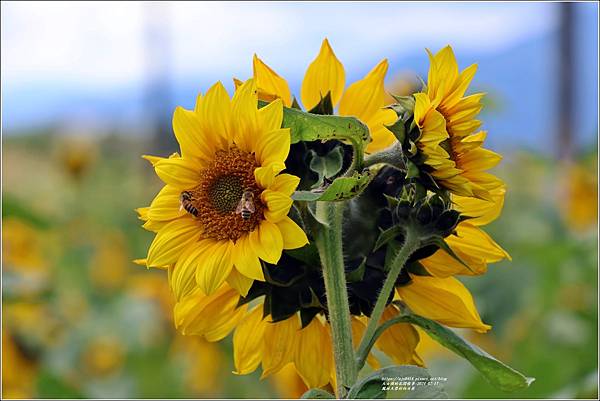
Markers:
(82, 319)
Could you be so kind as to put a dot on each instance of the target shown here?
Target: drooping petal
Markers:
(445, 300)
(293, 236)
(212, 316)
(215, 267)
(239, 282)
(280, 344)
(267, 242)
(358, 330)
(399, 341)
(171, 241)
(309, 357)
(324, 75)
(183, 276)
(246, 261)
(249, 342)
(270, 85)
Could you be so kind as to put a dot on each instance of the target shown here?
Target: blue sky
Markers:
(86, 63)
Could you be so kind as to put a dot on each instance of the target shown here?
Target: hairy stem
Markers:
(391, 155)
(411, 244)
(329, 244)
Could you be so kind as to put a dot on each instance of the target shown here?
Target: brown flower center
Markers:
(218, 195)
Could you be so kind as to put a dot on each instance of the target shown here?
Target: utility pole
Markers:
(566, 80)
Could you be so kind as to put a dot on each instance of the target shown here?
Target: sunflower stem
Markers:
(329, 244)
(410, 245)
(391, 155)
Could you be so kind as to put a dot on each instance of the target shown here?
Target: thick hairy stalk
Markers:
(329, 244)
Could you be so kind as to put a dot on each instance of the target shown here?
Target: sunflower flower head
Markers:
(225, 203)
(438, 131)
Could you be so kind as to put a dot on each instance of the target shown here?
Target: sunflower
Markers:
(232, 154)
(447, 120)
(276, 345)
(324, 77)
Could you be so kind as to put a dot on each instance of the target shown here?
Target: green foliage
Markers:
(342, 188)
(327, 166)
(317, 394)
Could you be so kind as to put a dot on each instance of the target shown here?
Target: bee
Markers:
(187, 202)
(246, 205)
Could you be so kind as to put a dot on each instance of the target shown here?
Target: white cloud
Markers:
(101, 44)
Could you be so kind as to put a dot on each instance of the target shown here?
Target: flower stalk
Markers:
(410, 245)
(329, 244)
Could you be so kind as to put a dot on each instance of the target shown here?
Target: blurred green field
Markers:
(81, 320)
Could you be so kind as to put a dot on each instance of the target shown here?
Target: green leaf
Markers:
(406, 102)
(14, 207)
(375, 385)
(317, 393)
(358, 273)
(496, 372)
(327, 166)
(342, 188)
(51, 386)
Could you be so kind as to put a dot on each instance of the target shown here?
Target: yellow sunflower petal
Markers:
(270, 85)
(248, 342)
(240, 282)
(364, 98)
(216, 114)
(245, 116)
(267, 242)
(273, 147)
(179, 172)
(481, 212)
(285, 183)
(265, 175)
(399, 341)
(270, 117)
(245, 260)
(166, 205)
(280, 344)
(192, 137)
(358, 329)
(381, 137)
(293, 236)
(212, 316)
(171, 241)
(445, 300)
(278, 205)
(308, 356)
(215, 266)
(183, 276)
(324, 75)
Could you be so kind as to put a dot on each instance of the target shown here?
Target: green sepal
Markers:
(342, 188)
(388, 235)
(407, 102)
(417, 269)
(317, 394)
(398, 129)
(295, 104)
(324, 107)
(444, 245)
(307, 315)
(357, 274)
(412, 169)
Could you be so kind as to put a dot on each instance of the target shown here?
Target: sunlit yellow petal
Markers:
(215, 267)
(270, 85)
(270, 117)
(245, 116)
(246, 261)
(216, 114)
(240, 282)
(267, 242)
(293, 236)
(183, 276)
(178, 172)
(171, 240)
(166, 205)
(446, 300)
(278, 205)
(280, 343)
(364, 98)
(285, 183)
(308, 357)
(248, 342)
(324, 75)
(399, 341)
(273, 147)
